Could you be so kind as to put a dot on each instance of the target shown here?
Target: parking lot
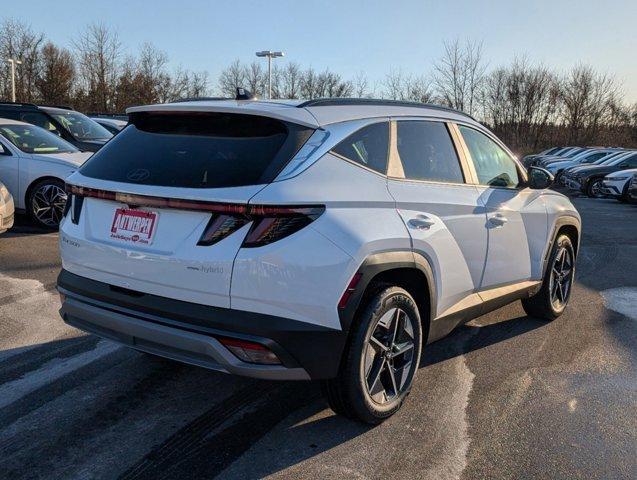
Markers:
(505, 396)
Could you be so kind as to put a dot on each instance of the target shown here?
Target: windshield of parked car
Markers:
(573, 153)
(32, 139)
(81, 127)
(620, 159)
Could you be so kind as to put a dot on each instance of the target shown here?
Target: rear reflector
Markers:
(250, 352)
(351, 288)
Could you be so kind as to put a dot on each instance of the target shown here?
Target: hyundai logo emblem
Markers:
(138, 175)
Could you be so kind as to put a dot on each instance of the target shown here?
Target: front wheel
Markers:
(594, 189)
(46, 203)
(380, 360)
(550, 302)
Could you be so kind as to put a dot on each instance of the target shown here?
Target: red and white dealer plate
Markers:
(135, 226)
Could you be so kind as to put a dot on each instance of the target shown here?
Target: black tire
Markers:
(592, 188)
(624, 198)
(365, 359)
(46, 202)
(544, 303)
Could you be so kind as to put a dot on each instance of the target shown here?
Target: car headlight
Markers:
(4, 193)
(616, 179)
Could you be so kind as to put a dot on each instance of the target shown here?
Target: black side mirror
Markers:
(539, 178)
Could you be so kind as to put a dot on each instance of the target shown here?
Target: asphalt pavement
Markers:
(505, 396)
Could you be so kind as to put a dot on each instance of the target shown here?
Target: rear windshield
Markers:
(197, 150)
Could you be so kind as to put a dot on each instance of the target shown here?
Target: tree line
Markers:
(528, 105)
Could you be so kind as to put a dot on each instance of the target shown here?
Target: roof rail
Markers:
(63, 107)
(333, 102)
(200, 99)
(19, 104)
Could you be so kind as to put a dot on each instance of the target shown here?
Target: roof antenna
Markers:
(244, 94)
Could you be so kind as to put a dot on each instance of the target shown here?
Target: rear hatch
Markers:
(163, 207)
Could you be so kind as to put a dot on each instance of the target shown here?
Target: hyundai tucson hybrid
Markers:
(74, 127)
(33, 166)
(326, 239)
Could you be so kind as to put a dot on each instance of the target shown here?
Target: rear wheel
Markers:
(46, 203)
(594, 189)
(380, 360)
(550, 302)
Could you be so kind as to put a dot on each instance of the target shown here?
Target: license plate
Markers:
(135, 226)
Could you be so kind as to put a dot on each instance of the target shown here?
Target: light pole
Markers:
(270, 54)
(13, 62)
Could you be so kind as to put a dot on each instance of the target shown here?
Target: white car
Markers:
(328, 239)
(616, 184)
(34, 164)
(6, 209)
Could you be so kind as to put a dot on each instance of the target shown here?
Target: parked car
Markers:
(566, 154)
(588, 180)
(68, 124)
(313, 240)
(7, 209)
(113, 125)
(632, 189)
(568, 174)
(615, 184)
(526, 160)
(33, 165)
(585, 158)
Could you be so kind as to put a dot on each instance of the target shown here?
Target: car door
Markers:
(440, 209)
(517, 227)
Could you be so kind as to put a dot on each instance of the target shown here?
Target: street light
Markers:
(270, 54)
(13, 62)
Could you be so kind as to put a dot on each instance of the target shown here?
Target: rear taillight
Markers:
(269, 222)
(250, 352)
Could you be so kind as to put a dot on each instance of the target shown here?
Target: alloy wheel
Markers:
(48, 204)
(561, 278)
(388, 358)
(596, 189)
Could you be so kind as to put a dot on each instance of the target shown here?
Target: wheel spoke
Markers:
(378, 344)
(392, 377)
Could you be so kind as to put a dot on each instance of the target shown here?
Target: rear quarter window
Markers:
(197, 150)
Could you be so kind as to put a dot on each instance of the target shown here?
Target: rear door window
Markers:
(427, 152)
(368, 146)
(197, 150)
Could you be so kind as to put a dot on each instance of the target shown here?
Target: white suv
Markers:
(329, 239)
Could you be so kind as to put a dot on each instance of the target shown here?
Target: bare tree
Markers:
(459, 74)
(232, 77)
(98, 52)
(400, 86)
(587, 97)
(256, 79)
(56, 76)
(360, 85)
(19, 41)
(290, 81)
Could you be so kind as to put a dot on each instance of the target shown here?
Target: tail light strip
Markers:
(270, 222)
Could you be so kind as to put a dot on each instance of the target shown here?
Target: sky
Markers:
(353, 36)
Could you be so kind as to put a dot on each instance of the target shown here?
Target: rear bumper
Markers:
(188, 332)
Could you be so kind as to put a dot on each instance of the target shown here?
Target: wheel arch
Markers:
(568, 225)
(33, 183)
(404, 269)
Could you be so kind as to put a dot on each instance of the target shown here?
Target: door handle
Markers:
(421, 223)
(498, 220)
